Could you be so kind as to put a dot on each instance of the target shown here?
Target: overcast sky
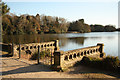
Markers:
(92, 11)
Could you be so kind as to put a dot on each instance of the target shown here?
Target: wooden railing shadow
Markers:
(4, 48)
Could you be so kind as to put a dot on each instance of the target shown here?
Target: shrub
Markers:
(90, 61)
(42, 55)
(85, 60)
(34, 56)
(108, 63)
(45, 54)
(111, 62)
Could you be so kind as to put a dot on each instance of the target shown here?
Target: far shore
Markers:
(58, 33)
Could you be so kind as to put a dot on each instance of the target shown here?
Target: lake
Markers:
(70, 41)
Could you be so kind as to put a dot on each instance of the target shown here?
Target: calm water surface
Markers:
(72, 41)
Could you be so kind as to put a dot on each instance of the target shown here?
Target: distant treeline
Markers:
(101, 28)
(118, 29)
(39, 24)
(26, 24)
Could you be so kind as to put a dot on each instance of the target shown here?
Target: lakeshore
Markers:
(59, 40)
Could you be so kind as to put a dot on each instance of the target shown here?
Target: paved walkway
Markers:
(21, 68)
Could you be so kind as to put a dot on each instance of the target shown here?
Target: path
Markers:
(21, 68)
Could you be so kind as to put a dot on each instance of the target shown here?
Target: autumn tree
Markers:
(5, 8)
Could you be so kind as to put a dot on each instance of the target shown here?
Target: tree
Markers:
(79, 26)
(5, 8)
(109, 28)
(7, 26)
(101, 28)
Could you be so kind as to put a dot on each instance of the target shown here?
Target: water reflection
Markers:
(28, 38)
(41, 38)
(71, 41)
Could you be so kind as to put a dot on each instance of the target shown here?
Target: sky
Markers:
(102, 12)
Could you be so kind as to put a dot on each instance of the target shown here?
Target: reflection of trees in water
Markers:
(94, 38)
(41, 38)
(108, 37)
(63, 41)
(28, 38)
(77, 40)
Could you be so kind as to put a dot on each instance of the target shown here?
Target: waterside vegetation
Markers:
(109, 63)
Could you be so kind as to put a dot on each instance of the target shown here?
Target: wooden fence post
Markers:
(38, 54)
(12, 49)
(19, 51)
(51, 56)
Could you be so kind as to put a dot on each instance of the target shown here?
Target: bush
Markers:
(85, 60)
(108, 63)
(90, 61)
(45, 54)
(34, 56)
(42, 55)
(111, 62)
